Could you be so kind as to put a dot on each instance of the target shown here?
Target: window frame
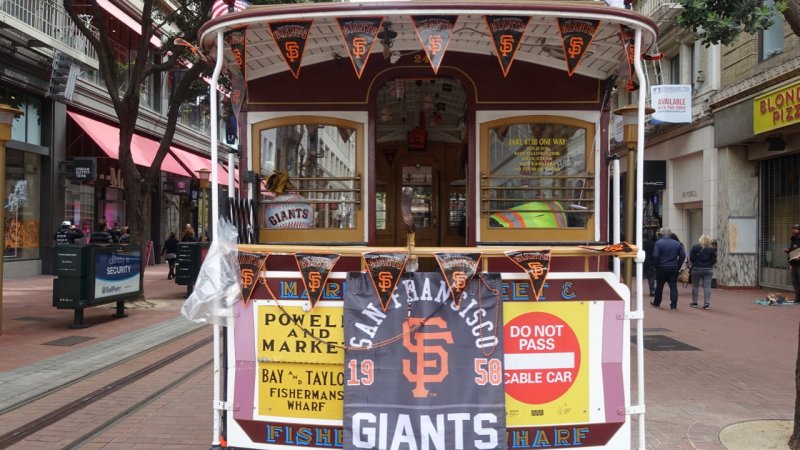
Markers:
(566, 235)
(355, 235)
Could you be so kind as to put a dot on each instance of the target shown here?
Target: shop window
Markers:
(537, 173)
(381, 216)
(22, 215)
(80, 203)
(303, 197)
(28, 126)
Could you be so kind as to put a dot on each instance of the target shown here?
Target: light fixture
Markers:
(203, 175)
(387, 39)
(630, 120)
(775, 143)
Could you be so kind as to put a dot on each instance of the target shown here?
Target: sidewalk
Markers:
(732, 383)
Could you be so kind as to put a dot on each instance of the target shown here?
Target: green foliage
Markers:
(721, 21)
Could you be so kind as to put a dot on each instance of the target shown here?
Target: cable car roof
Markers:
(541, 43)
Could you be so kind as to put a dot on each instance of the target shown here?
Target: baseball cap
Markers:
(796, 226)
(66, 222)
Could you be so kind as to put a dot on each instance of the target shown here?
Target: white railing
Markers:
(658, 9)
(48, 22)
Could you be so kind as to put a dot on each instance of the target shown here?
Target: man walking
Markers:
(668, 255)
(794, 260)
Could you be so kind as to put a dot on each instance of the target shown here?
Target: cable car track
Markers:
(63, 412)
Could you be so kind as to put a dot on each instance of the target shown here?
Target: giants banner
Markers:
(384, 269)
(237, 40)
(576, 35)
(457, 269)
(424, 374)
(315, 268)
(536, 265)
(434, 32)
(628, 37)
(359, 36)
(250, 266)
(290, 37)
(506, 33)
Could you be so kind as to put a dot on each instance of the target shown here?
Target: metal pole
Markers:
(615, 208)
(630, 183)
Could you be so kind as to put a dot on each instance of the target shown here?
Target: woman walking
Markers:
(703, 257)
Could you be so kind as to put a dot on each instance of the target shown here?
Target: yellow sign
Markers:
(777, 109)
(300, 362)
(546, 363)
(299, 336)
(301, 390)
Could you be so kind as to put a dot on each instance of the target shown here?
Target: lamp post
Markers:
(7, 114)
(202, 210)
(630, 137)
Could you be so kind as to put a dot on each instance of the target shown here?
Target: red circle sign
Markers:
(542, 358)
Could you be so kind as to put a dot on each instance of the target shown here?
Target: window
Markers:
(772, 38)
(309, 198)
(28, 126)
(22, 205)
(537, 174)
(675, 70)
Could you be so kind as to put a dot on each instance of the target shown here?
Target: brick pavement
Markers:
(743, 370)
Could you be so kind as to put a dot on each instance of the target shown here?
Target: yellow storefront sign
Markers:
(300, 362)
(777, 109)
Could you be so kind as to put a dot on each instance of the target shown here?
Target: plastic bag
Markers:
(218, 287)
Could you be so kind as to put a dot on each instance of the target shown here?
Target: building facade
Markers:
(62, 159)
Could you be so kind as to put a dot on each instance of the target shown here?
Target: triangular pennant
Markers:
(457, 270)
(250, 266)
(434, 32)
(237, 41)
(385, 269)
(536, 264)
(315, 268)
(576, 35)
(359, 37)
(290, 37)
(506, 32)
(619, 247)
(628, 37)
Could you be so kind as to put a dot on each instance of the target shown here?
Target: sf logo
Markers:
(314, 281)
(436, 362)
(247, 277)
(575, 47)
(536, 269)
(291, 50)
(459, 280)
(434, 44)
(385, 281)
(359, 47)
(506, 44)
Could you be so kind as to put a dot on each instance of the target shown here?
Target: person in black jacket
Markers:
(668, 256)
(101, 236)
(649, 267)
(67, 233)
(170, 251)
(794, 260)
(702, 257)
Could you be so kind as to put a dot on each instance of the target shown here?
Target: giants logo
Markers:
(314, 280)
(385, 281)
(292, 51)
(359, 47)
(421, 349)
(575, 47)
(247, 278)
(459, 280)
(434, 44)
(536, 269)
(506, 44)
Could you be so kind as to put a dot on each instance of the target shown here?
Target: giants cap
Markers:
(66, 223)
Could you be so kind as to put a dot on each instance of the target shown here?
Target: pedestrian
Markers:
(668, 255)
(67, 233)
(188, 234)
(125, 237)
(794, 260)
(101, 235)
(170, 252)
(649, 267)
(702, 259)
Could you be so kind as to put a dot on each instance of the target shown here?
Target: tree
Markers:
(143, 61)
(718, 22)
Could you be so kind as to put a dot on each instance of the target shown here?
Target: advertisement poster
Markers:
(425, 373)
(116, 273)
(672, 102)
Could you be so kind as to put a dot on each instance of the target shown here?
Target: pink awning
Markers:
(195, 162)
(143, 149)
(132, 23)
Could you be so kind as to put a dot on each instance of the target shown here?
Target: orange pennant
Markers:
(536, 264)
(457, 270)
(434, 32)
(506, 32)
(385, 270)
(359, 37)
(250, 267)
(290, 37)
(576, 36)
(315, 268)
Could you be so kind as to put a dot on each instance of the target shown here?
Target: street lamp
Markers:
(202, 211)
(7, 115)
(630, 137)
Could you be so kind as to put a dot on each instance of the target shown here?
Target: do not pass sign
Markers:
(542, 357)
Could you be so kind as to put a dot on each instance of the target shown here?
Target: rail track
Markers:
(86, 412)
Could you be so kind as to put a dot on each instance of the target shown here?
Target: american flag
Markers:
(220, 7)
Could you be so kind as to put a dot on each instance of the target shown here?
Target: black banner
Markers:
(250, 266)
(535, 264)
(628, 37)
(290, 37)
(315, 268)
(237, 40)
(359, 37)
(434, 33)
(576, 36)
(457, 269)
(385, 270)
(424, 374)
(506, 32)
